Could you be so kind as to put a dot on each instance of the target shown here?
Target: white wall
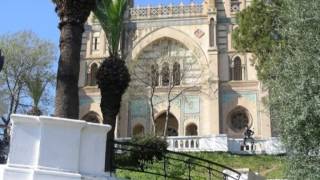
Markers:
(47, 148)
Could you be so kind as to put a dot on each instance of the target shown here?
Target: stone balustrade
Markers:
(47, 148)
(198, 143)
(165, 11)
(222, 143)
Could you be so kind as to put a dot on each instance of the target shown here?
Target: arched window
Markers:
(176, 73)
(95, 41)
(172, 128)
(93, 74)
(138, 130)
(154, 75)
(191, 130)
(211, 32)
(165, 73)
(237, 69)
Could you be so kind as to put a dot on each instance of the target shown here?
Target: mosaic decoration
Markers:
(192, 104)
(230, 96)
(163, 99)
(139, 108)
(199, 33)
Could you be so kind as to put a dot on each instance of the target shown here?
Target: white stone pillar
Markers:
(92, 149)
(47, 148)
(59, 147)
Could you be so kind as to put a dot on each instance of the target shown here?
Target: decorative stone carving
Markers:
(199, 33)
(167, 11)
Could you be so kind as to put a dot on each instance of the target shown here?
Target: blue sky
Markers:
(35, 15)
(39, 16)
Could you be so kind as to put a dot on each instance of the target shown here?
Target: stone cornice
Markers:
(239, 85)
(160, 22)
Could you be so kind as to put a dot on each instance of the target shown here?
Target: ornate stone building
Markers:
(186, 47)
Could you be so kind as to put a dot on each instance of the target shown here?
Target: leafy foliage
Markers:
(291, 71)
(26, 57)
(36, 86)
(144, 153)
(110, 14)
(257, 33)
(295, 89)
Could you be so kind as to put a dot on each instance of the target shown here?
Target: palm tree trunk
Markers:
(110, 105)
(67, 97)
(110, 145)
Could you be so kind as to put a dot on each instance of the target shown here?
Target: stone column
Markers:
(210, 100)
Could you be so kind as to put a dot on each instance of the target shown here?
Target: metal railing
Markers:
(168, 164)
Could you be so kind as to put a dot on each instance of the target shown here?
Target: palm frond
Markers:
(110, 14)
(36, 87)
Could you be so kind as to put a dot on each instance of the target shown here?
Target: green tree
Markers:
(73, 14)
(257, 33)
(36, 88)
(25, 54)
(295, 87)
(113, 76)
(291, 71)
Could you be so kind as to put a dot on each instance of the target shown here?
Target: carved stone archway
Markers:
(175, 34)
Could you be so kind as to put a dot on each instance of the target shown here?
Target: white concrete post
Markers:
(47, 148)
(24, 141)
(92, 150)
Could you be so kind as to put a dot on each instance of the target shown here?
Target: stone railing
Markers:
(270, 146)
(222, 143)
(163, 11)
(198, 143)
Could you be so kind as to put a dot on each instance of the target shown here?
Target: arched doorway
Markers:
(92, 117)
(172, 129)
(191, 130)
(138, 130)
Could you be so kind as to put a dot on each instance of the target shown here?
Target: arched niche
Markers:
(138, 130)
(191, 130)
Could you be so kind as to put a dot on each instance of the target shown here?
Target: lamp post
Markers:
(1, 61)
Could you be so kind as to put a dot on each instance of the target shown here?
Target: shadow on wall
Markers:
(234, 117)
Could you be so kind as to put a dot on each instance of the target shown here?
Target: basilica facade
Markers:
(182, 53)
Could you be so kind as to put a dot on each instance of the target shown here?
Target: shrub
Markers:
(144, 150)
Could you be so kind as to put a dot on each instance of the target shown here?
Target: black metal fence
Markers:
(168, 164)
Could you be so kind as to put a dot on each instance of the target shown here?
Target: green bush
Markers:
(145, 150)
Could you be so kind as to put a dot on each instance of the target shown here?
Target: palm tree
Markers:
(113, 76)
(36, 87)
(73, 14)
